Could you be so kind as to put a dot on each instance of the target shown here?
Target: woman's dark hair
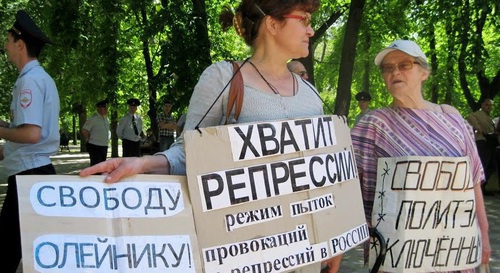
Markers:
(248, 15)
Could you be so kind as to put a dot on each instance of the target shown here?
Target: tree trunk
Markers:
(348, 55)
(110, 58)
(82, 118)
(150, 74)
(434, 66)
(114, 137)
(367, 64)
(74, 129)
(450, 64)
(308, 61)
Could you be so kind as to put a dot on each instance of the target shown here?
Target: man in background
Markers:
(486, 139)
(363, 99)
(95, 132)
(298, 68)
(129, 130)
(167, 126)
(32, 135)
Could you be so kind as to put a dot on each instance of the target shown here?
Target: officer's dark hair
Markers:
(33, 46)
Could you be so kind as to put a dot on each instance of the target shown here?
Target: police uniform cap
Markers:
(102, 103)
(363, 96)
(26, 28)
(134, 102)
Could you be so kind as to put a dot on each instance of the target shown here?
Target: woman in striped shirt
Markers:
(412, 126)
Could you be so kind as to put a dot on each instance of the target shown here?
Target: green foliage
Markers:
(149, 49)
(224, 45)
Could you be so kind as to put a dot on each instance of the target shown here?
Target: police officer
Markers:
(32, 135)
(96, 133)
(363, 99)
(129, 130)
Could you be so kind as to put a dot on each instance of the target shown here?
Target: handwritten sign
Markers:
(425, 209)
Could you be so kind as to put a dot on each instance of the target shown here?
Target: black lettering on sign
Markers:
(414, 175)
(265, 139)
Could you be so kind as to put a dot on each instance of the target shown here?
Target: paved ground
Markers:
(72, 162)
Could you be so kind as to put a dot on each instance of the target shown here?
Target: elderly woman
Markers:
(412, 126)
(276, 31)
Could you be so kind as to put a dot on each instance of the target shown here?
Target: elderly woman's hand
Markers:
(118, 168)
(486, 248)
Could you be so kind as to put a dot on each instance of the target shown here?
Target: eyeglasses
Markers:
(402, 66)
(303, 73)
(306, 20)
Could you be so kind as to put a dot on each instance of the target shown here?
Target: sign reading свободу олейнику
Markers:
(425, 209)
(274, 196)
(269, 196)
(73, 224)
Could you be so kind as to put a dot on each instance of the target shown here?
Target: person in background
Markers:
(96, 133)
(276, 32)
(413, 126)
(63, 140)
(166, 126)
(486, 138)
(298, 68)
(363, 99)
(129, 130)
(32, 135)
(149, 145)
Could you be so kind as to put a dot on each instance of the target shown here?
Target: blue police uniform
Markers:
(35, 101)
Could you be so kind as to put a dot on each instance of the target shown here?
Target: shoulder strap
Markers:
(235, 93)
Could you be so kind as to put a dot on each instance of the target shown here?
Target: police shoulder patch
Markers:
(25, 98)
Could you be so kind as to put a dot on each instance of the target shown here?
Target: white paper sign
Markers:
(144, 223)
(425, 209)
(274, 196)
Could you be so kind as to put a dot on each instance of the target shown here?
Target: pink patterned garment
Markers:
(395, 132)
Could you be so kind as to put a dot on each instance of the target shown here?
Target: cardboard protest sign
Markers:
(274, 196)
(73, 224)
(425, 209)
